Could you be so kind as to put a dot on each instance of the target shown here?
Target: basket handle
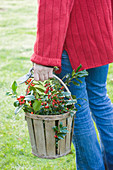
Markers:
(58, 80)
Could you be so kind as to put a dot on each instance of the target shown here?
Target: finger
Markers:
(36, 76)
(46, 76)
(51, 73)
(41, 77)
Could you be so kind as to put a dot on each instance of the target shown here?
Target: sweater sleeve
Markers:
(52, 23)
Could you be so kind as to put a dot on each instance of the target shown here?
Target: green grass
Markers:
(17, 37)
(18, 34)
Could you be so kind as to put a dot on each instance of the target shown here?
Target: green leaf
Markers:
(75, 83)
(83, 73)
(70, 102)
(16, 103)
(79, 105)
(14, 96)
(37, 96)
(32, 88)
(40, 82)
(18, 109)
(60, 137)
(55, 128)
(61, 124)
(29, 97)
(8, 93)
(14, 86)
(40, 87)
(78, 68)
(65, 94)
(65, 131)
(39, 92)
(73, 73)
(37, 105)
(73, 96)
(78, 80)
(56, 68)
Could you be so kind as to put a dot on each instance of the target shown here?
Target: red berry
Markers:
(45, 85)
(46, 107)
(53, 103)
(42, 103)
(46, 91)
(22, 96)
(29, 80)
(31, 112)
(55, 136)
(32, 84)
(51, 89)
(62, 87)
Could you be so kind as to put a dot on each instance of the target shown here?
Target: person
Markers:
(70, 33)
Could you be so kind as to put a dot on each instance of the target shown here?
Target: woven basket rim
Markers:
(48, 117)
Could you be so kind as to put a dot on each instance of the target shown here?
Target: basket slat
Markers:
(40, 139)
(72, 130)
(62, 142)
(31, 134)
(69, 121)
(50, 140)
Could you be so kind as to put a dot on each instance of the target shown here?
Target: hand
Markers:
(42, 72)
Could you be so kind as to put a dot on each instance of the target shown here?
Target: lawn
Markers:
(17, 37)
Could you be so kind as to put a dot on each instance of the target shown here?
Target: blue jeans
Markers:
(89, 154)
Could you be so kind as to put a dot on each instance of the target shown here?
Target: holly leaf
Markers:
(60, 137)
(41, 87)
(78, 80)
(75, 83)
(18, 109)
(83, 73)
(61, 124)
(40, 92)
(8, 93)
(78, 68)
(37, 105)
(73, 73)
(63, 131)
(73, 96)
(55, 128)
(16, 103)
(14, 87)
(29, 97)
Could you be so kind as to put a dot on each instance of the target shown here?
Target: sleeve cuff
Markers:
(45, 61)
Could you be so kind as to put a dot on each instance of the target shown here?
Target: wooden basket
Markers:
(42, 135)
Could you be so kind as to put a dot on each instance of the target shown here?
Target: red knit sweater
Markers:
(83, 28)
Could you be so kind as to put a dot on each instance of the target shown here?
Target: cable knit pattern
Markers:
(83, 28)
